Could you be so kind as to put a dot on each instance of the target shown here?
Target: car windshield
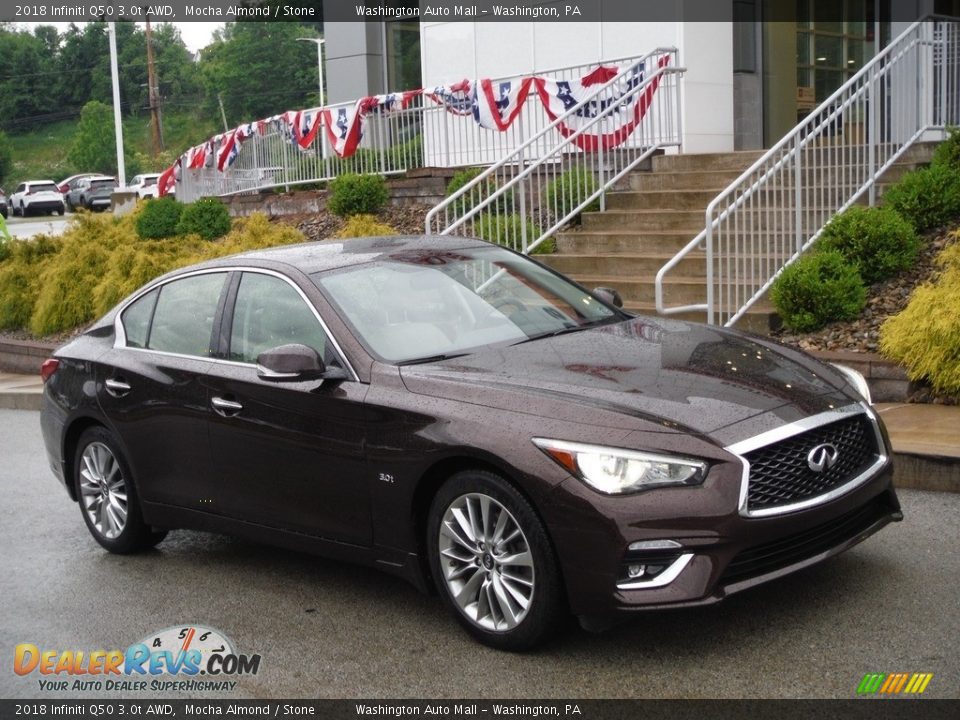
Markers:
(418, 306)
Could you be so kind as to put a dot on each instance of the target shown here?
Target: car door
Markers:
(287, 454)
(151, 387)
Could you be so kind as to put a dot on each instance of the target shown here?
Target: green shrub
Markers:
(817, 289)
(947, 153)
(20, 278)
(877, 240)
(503, 204)
(506, 230)
(158, 218)
(569, 190)
(928, 198)
(365, 226)
(206, 217)
(925, 336)
(357, 194)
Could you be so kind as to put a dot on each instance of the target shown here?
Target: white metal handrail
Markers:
(778, 207)
(531, 192)
(422, 135)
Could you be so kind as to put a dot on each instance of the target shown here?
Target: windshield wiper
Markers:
(562, 331)
(431, 358)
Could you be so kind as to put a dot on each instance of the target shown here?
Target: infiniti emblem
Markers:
(822, 457)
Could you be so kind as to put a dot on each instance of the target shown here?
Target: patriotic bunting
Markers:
(456, 98)
(559, 96)
(496, 107)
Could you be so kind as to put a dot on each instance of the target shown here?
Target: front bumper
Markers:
(720, 551)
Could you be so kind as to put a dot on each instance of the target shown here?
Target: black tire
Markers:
(60, 210)
(23, 209)
(135, 535)
(545, 606)
(69, 205)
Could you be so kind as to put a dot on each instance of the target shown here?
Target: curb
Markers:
(20, 400)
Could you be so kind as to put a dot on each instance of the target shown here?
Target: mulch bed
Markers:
(405, 219)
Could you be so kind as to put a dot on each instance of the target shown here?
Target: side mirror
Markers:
(609, 295)
(292, 363)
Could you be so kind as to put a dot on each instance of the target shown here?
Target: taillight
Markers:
(48, 368)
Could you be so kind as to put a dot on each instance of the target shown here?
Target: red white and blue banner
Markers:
(560, 96)
(304, 125)
(344, 126)
(497, 104)
(394, 102)
(456, 98)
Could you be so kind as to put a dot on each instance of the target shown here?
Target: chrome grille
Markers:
(780, 475)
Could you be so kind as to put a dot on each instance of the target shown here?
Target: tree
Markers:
(6, 157)
(260, 69)
(94, 144)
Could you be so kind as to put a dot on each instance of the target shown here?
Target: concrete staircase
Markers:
(653, 216)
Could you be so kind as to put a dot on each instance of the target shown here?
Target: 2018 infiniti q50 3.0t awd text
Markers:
(457, 414)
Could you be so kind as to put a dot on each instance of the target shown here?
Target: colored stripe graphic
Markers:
(894, 683)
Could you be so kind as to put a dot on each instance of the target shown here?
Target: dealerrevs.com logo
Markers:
(186, 658)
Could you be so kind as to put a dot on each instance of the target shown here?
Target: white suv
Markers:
(145, 185)
(37, 196)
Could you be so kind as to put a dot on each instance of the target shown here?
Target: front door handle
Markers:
(226, 407)
(117, 388)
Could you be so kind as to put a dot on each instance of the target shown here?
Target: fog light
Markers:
(635, 571)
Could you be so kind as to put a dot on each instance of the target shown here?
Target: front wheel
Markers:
(108, 497)
(493, 562)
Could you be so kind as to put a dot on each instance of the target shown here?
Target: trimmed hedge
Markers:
(568, 191)
(928, 198)
(877, 240)
(206, 217)
(507, 230)
(503, 204)
(816, 289)
(352, 194)
(158, 218)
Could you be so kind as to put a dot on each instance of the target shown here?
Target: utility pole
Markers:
(117, 126)
(155, 132)
(223, 115)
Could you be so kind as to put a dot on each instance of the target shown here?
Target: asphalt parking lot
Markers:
(326, 629)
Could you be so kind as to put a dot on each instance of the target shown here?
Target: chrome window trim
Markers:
(120, 335)
(795, 428)
(665, 578)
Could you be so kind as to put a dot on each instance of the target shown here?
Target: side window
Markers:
(268, 313)
(136, 320)
(183, 319)
(20, 188)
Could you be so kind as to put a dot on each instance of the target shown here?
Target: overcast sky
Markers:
(195, 35)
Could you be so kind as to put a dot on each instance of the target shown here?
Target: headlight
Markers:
(856, 380)
(617, 472)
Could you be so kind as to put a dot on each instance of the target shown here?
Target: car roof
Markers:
(330, 254)
(39, 182)
(102, 177)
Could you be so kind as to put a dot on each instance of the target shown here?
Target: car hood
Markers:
(673, 374)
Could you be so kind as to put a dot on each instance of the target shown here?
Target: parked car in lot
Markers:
(68, 184)
(459, 415)
(37, 196)
(92, 193)
(145, 185)
(4, 205)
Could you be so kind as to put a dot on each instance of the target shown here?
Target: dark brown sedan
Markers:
(459, 415)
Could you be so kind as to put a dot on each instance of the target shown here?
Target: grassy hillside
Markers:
(42, 154)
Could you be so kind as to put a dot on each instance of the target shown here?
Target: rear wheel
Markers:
(492, 561)
(60, 210)
(108, 498)
(23, 209)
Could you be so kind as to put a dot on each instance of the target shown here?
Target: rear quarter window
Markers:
(136, 320)
(183, 318)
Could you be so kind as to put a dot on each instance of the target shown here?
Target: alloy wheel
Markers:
(103, 490)
(486, 562)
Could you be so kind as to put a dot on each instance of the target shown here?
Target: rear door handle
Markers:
(117, 388)
(226, 407)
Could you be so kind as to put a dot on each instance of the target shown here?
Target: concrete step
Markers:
(622, 241)
(640, 288)
(706, 162)
(624, 264)
(640, 220)
(715, 180)
(659, 199)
